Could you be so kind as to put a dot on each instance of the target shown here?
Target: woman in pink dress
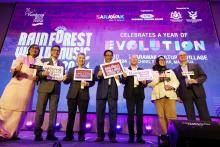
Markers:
(17, 96)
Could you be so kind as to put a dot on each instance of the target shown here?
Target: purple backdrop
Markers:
(147, 29)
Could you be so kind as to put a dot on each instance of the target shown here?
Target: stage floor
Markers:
(27, 140)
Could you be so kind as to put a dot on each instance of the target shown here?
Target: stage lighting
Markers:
(118, 128)
(58, 126)
(88, 127)
(148, 129)
(29, 125)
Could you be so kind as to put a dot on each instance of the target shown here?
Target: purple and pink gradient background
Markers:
(81, 17)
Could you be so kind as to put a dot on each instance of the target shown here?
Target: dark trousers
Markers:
(72, 107)
(135, 102)
(100, 113)
(40, 111)
(200, 104)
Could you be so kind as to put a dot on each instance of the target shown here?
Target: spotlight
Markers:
(58, 126)
(29, 125)
(88, 127)
(118, 128)
(148, 129)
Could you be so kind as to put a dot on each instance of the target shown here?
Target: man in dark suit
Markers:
(107, 90)
(78, 94)
(48, 90)
(134, 95)
(191, 90)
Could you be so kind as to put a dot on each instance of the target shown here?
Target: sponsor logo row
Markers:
(174, 16)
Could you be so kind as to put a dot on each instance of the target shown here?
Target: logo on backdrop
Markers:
(111, 17)
(147, 15)
(38, 17)
(193, 15)
(176, 16)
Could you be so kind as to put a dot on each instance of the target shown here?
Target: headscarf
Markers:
(158, 67)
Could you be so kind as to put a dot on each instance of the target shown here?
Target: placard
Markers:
(112, 69)
(55, 72)
(82, 74)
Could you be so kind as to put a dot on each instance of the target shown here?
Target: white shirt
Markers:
(54, 61)
(136, 82)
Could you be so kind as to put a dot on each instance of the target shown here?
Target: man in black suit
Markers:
(191, 90)
(78, 95)
(48, 90)
(134, 95)
(107, 90)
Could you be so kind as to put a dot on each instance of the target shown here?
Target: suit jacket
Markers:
(75, 86)
(199, 75)
(102, 88)
(129, 87)
(49, 85)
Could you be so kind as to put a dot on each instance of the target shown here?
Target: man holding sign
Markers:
(80, 79)
(134, 95)
(191, 90)
(49, 89)
(107, 90)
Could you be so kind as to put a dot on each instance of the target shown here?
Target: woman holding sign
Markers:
(164, 94)
(17, 96)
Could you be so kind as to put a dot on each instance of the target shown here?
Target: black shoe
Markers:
(131, 140)
(2, 139)
(99, 139)
(140, 140)
(38, 138)
(164, 140)
(67, 138)
(164, 137)
(14, 138)
(113, 140)
(51, 137)
(81, 138)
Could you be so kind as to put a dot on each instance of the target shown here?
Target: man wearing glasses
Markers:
(48, 90)
(191, 90)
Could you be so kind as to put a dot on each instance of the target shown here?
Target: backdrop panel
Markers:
(147, 29)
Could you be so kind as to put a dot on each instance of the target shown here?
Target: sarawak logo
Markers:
(176, 16)
(110, 17)
(38, 17)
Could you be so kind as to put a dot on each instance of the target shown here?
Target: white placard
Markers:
(188, 74)
(112, 69)
(142, 75)
(55, 72)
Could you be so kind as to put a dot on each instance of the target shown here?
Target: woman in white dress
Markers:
(17, 96)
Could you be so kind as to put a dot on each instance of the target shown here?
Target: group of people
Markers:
(168, 87)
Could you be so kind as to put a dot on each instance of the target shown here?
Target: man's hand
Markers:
(45, 73)
(64, 77)
(192, 81)
(100, 73)
(124, 74)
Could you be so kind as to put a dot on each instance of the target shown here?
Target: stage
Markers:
(27, 140)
